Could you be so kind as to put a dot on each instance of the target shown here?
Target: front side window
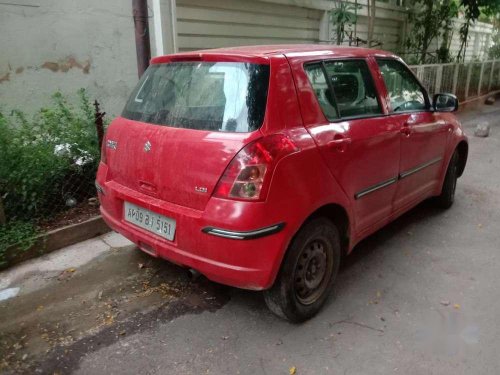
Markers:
(353, 87)
(405, 93)
(347, 90)
(214, 96)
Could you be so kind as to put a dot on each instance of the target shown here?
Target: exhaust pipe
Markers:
(193, 275)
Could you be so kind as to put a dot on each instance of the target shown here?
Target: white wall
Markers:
(52, 45)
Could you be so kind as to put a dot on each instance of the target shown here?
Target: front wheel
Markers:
(447, 196)
(308, 271)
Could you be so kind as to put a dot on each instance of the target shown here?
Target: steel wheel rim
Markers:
(313, 271)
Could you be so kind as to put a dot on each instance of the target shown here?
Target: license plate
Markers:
(155, 223)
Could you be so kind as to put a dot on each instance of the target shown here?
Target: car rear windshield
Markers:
(215, 96)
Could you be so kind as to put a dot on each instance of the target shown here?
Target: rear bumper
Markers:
(244, 235)
(235, 256)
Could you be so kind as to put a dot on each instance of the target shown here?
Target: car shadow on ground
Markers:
(425, 211)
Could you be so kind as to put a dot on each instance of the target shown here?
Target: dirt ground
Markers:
(77, 214)
(117, 291)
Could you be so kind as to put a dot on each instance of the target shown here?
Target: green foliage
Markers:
(17, 233)
(473, 9)
(431, 20)
(38, 157)
(493, 15)
(494, 51)
(341, 16)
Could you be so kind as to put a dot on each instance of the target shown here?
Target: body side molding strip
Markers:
(391, 181)
(418, 168)
(375, 187)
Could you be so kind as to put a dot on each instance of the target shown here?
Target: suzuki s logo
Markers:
(147, 146)
(111, 144)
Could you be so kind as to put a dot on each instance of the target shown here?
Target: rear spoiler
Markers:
(210, 56)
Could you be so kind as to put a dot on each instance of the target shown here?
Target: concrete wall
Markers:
(218, 23)
(50, 45)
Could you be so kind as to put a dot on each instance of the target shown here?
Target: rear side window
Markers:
(322, 90)
(405, 93)
(215, 96)
(348, 87)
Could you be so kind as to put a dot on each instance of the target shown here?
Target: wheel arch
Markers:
(339, 216)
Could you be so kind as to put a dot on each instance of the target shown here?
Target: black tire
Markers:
(447, 196)
(307, 273)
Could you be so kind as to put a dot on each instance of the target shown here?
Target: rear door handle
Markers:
(339, 145)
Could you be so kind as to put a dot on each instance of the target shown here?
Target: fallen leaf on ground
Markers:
(456, 306)
(66, 274)
(109, 319)
(293, 370)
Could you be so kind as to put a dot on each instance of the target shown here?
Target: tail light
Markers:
(248, 175)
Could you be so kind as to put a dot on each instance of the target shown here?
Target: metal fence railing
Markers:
(465, 80)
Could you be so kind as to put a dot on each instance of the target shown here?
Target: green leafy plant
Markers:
(45, 162)
(473, 10)
(21, 234)
(494, 51)
(343, 15)
(493, 16)
(41, 156)
(429, 21)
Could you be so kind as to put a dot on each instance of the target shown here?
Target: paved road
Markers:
(419, 297)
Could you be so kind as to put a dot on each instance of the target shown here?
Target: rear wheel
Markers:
(447, 196)
(307, 273)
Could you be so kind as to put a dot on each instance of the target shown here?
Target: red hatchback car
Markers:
(260, 167)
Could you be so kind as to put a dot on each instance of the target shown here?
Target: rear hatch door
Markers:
(181, 166)
(183, 124)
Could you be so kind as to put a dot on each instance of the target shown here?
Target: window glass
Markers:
(322, 90)
(215, 96)
(353, 88)
(405, 93)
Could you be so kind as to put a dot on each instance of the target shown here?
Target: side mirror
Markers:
(445, 103)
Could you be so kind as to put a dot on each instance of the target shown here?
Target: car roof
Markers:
(289, 50)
